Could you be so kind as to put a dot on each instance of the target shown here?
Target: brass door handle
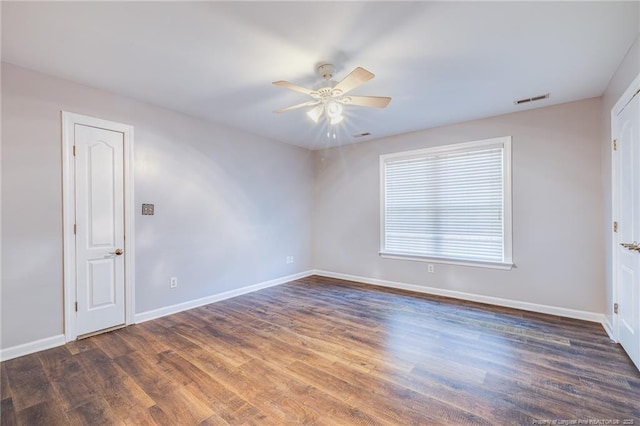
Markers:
(631, 246)
(117, 252)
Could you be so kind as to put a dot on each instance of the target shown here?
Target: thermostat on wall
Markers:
(147, 209)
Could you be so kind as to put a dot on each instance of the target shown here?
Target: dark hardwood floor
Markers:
(325, 351)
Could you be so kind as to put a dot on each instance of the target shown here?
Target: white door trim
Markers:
(68, 217)
(615, 123)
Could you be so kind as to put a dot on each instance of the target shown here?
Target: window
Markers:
(450, 204)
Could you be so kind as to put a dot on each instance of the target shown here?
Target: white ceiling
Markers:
(441, 62)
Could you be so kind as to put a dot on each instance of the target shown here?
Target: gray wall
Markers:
(557, 209)
(230, 206)
(627, 71)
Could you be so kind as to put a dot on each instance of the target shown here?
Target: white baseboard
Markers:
(31, 347)
(526, 306)
(173, 309)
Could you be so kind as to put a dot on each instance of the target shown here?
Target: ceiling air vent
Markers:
(361, 135)
(535, 98)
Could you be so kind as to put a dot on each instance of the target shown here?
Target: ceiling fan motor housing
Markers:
(326, 71)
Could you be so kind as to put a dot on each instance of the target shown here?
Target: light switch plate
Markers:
(147, 209)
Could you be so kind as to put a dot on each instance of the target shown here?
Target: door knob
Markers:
(118, 252)
(631, 246)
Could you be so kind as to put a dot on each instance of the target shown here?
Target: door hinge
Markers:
(615, 308)
(615, 226)
(615, 144)
(76, 306)
(74, 150)
(75, 228)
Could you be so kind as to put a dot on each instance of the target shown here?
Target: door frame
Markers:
(69, 120)
(615, 124)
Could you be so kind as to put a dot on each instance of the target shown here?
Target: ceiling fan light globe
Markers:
(336, 120)
(334, 109)
(312, 116)
(315, 113)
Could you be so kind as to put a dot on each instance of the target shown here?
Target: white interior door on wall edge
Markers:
(97, 216)
(626, 209)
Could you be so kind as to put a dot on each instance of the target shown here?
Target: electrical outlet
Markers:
(173, 283)
(429, 267)
(289, 259)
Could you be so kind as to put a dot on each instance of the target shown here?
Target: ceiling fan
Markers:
(329, 96)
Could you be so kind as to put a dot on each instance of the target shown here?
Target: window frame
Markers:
(507, 223)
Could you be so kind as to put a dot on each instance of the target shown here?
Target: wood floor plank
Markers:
(182, 407)
(95, 411)
(112, 345)
(260, 393)
(137, 337)
(67, 377)
(281, 351)
(29, 383)
(228, 407)
(344, 396)
(151, 379)
(138, 416)
(167, 337)
(58, 363)
(80, 346)
(225, 345)
(120, 390)
(7, 413)
(43, 413)
(331, 340)
(5, 391)
(323, 351)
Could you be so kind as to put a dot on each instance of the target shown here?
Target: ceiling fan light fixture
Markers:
(329, 97)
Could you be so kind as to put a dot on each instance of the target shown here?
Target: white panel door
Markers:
(628, 256)
(99, 228)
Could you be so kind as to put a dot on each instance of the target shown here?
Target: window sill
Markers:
(506, 266)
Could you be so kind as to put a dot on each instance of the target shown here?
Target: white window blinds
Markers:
(448, 202)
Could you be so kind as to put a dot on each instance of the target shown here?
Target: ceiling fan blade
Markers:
(292, 86)
(354, 79)
(315, 113)
(302, 105)
(367, 101)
